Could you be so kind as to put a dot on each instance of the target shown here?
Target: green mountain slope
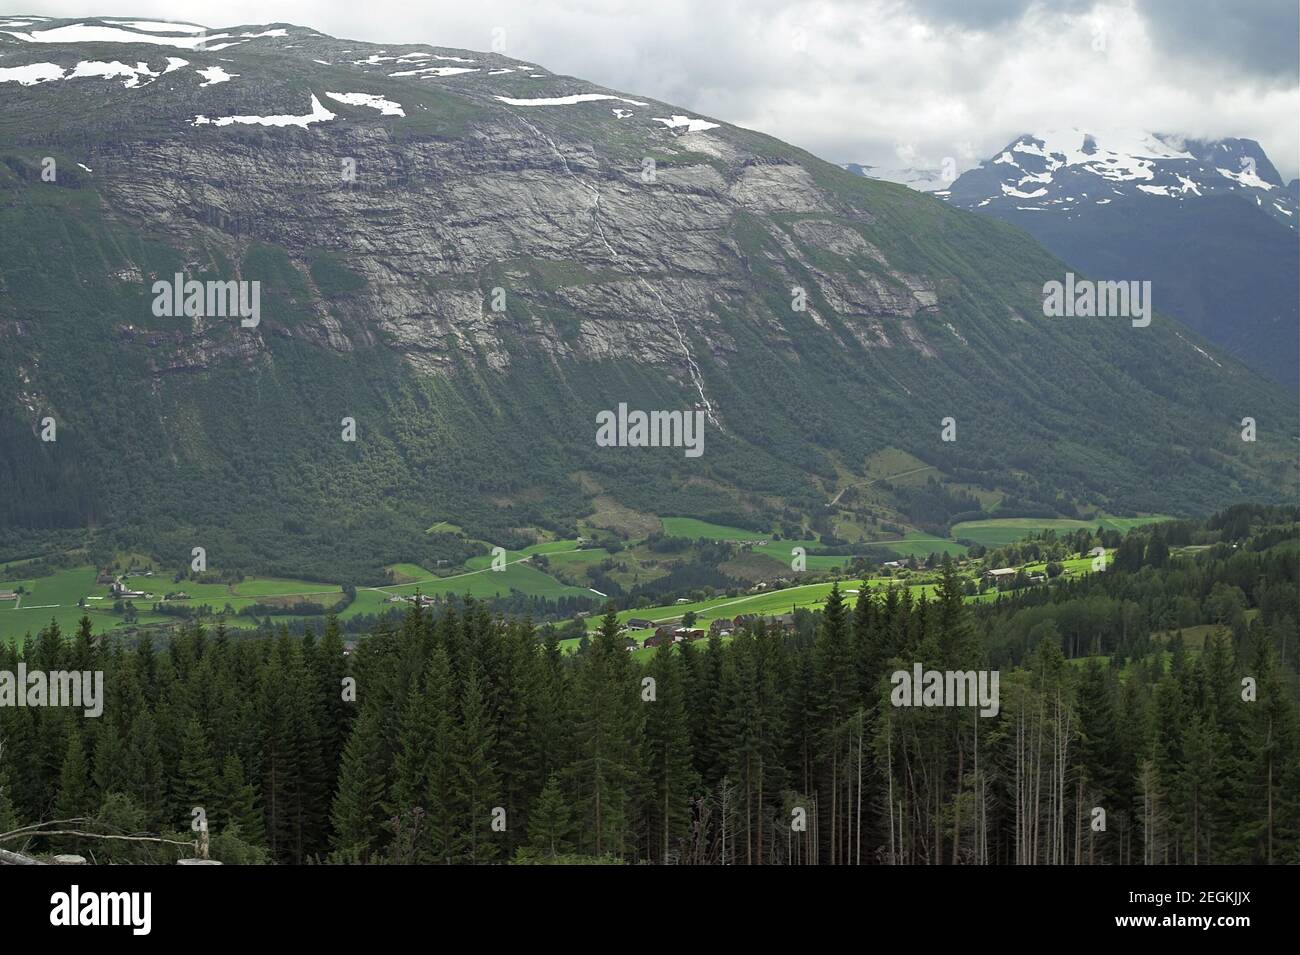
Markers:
(661, 287)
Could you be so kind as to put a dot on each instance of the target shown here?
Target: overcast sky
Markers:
(884, 82)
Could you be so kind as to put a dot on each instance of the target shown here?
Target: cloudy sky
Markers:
(886, 82)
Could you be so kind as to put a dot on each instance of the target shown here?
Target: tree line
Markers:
(464, 737)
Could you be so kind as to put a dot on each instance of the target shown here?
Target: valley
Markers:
(439, 458)
(561, 578)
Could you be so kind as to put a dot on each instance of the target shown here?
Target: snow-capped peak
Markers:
(1072, 171)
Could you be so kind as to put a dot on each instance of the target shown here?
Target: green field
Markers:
(769, 603)
(691, 528)
(915, 544)
(998, 532)
(56, 596)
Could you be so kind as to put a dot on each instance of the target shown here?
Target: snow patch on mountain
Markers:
(567, 100)
(213, 75)
(134, 76)
(676, 122)
(1247, 177)
(318, 114)
(87, 33)
(386, 107)
(31, 74)
(437, 71)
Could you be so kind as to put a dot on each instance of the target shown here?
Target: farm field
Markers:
(56, 596)
(998, 532)
(693, 529)
(806, 596)
(912, 544)
(915, 544)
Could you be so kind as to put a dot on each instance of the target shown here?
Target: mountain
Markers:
(920, 178)
(1210, 224)
(470, 258)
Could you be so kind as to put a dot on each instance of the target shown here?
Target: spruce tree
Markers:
(423, 766)
(357, 812)
(477, 783)
(237, 803)
(550, 824)
(670, 773)
(196, 777)
(607, 734)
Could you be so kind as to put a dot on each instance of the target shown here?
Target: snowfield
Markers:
(318, 114)
(567, 100)
(386, 107)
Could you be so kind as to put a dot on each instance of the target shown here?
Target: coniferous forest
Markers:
(468, 739)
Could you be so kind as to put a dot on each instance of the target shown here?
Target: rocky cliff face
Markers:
(480, 254)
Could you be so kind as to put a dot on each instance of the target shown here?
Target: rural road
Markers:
(836, 499)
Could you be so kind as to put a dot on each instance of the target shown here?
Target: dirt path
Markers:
(836, 499)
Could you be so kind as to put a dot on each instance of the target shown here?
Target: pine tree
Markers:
(8, 813)
(551, 822)
(516, 752)
(74, 784)
(477, 784)
(145, 772)
(835, 679)
(196, 777)
(328, 668)
(1100, 752)
(423, 766)
(1273, 814)
(236, 803)
(670, 774)
(607, 731)
(357, 814)
(110, 761)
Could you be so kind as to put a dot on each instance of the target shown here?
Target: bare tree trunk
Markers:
(858, 859)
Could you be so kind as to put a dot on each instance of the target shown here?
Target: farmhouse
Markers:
(640, 623)
(8, 595)
(1001, 574)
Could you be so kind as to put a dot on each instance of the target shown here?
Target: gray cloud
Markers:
(1257, 37)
